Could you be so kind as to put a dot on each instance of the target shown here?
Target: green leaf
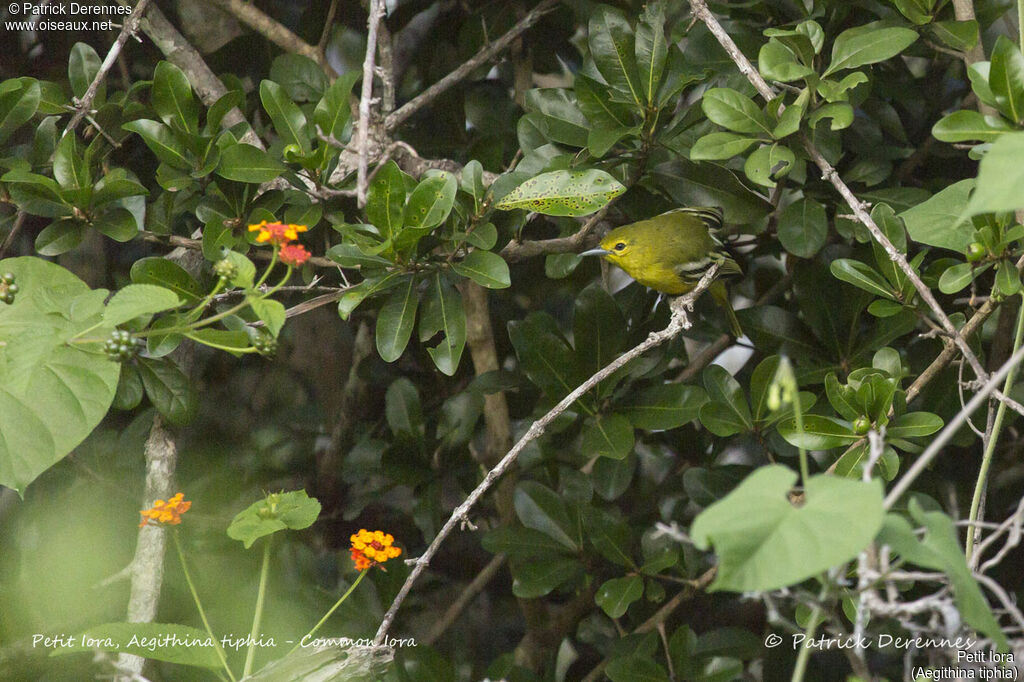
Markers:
(724, 390)
(769, 163)
(861, 276)
(234, 342)
(271, 312)
(609, 435)
(651, 49)
(167, 274)
(564, 193)
(776, 62)
(959, 35)
(443, 312)
(615, 595)
(164, 144)
(868, 44)
(717, 146)
(613, 47)
(819, 433)
(966, 124)
(173, 100)
(1000, 174)
(597, 328)
(733, 110)
(839, 113)
(332, 112)
(52, 393)
(663, 406)
(289, 121)
(635, 668)
(431, 202)
(278, 511)
(562, 119)
(301, 77)
(609, 534)
(385, 200)
(1006, 78)
(17, 108)
(395, 321)
(940, 550)
(138, 299)
(83, 65)
(915, 10)
(803, 227)
(187, 646)
(403, 409)
(169, 390)
(486, 268)
(611, 477)
(245, 269)
(763, 542)
(520, 543)
(246, 163)
(542, 509)
(539, 577)
(544, 356)
(936, 222)
(914, 425)
(118, 223)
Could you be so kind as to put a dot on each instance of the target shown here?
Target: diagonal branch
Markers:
(679, 321)
(274, 31)
(701, 11)
(366, 99)
(485, 54)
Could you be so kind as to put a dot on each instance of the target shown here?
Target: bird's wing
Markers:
(692, 272)
(711, 216)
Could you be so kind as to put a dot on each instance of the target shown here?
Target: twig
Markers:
(701, 11)
(516, 251)
(483, 56)
(325, 35)
(365, 100)
(197, 245)
(465, 599)
(677, 323)
(274, 31)
(19, 221)
(951, 428)
(130, 26)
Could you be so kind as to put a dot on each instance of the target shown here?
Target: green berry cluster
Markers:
(225, 269)
(265, 344)
(122, 346)
(8, 288)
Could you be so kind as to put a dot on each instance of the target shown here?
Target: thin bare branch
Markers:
(274, 31)
(366, 100)
(485, 54)
(464, 599)
(19, 221)
(679, 321)
(129, 28)
(516, 251)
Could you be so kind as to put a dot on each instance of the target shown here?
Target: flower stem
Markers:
(257, 616)
(199, 606)
(812, 626)
(334, 608)
(997, 426)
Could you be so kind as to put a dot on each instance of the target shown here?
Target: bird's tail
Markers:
(721, 296)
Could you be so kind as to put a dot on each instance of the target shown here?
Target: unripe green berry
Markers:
(8, 277)
(861, 425)
(12, 288)
(975, 252)
(225, 269)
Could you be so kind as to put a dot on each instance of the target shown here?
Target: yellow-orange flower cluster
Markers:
(370, 548)
(168, 512)
(277, 233)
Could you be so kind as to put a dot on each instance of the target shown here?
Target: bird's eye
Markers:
(620, 246)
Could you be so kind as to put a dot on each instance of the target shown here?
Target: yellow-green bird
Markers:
(671, 252)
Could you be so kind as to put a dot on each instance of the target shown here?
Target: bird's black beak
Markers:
(596, 252)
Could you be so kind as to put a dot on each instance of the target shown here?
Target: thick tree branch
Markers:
(679, 321)
(274, 31)
(485, 54)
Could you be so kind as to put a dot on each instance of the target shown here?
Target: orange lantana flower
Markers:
(293, 254)
(277, 233)
(168, 512)
(370, 548)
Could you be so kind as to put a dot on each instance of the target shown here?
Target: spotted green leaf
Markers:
(564, 193)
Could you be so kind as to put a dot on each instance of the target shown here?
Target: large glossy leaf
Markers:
(564, 193)
(246, 163)
(819, 433)
(966, 125)
(163, 143)
(169, 390)
(52, 393)
(430, 203)
(395, 321)
(734, 110)
(138, 299)
(83, 65)
(999, 180)
(651, 49)
(17, 108)
(538, 577)
(486, 268)
(1006, 78)
(561, 118)
(615, 595)
(544, 355)
(289, 121)
(332, 113)
(803, 227)
(385, 200)
(540, 508)
(936, 222)
(764, 542)
(607, 435)
(597, 328)
(173, 100)
(167, 274)
(443, 312)
(613, 46)
(868, 44)
(664, 406)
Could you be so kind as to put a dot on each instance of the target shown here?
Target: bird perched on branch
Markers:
(671, 252)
